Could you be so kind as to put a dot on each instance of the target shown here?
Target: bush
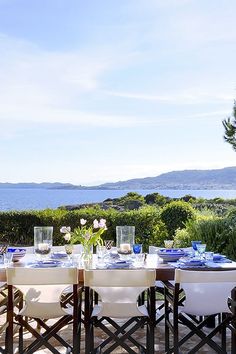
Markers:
(17, 228)
(182, 238)
(219, 234)
(175, 214)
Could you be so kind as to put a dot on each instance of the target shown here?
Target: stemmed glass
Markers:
(69, 250)
(194, 245)
(137, 248)
(108, 244)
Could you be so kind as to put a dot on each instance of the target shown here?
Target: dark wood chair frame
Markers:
(121, 334)
(52, 331)
(173, 298)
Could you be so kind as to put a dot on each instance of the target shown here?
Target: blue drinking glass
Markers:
(137, 248)
(194, 244)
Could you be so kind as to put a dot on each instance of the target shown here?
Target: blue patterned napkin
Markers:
(119, 265)
(45, 264)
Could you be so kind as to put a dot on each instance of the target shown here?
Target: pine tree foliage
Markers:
(230, 128)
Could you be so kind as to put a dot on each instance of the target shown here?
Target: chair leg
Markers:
(10, 317)
(87, 322)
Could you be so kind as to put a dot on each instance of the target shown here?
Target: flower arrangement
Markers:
(85, 235)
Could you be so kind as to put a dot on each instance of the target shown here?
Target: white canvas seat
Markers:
(118, 291)
(42, 290)
(206, 294)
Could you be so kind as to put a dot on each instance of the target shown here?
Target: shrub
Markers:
(175, 214)
(17, 228)
(182, 238)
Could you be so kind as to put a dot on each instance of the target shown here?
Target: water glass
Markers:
(209, 256)
(7, 258)
(137, 248)
(76, 260)
(201, 248)
(101, 251)
(139, 260)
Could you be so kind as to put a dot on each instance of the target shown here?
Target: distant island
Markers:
(224, 178)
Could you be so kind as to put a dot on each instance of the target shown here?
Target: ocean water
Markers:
(38, 199)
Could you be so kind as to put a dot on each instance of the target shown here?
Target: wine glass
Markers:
(108, 244)
(137, 248)
(194, 245)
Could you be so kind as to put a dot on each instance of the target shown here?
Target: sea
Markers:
(39, 199)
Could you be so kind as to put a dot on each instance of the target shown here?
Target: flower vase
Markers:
(87, 257)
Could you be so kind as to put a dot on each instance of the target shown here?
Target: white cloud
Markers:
(176, 98)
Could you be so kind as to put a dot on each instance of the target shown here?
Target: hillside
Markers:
(224, 178)
(188, 179)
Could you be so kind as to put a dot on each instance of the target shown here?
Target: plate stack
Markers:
(171, 254)
(18, 253)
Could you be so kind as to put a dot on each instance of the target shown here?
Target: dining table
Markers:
(164, 270)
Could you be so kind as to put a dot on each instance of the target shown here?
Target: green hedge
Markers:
(219, 233)
(17, 228)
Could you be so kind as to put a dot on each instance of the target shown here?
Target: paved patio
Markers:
(159, 342)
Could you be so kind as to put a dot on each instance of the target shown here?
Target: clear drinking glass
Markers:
(7, 258)
(43, 240)
(201, 248)
(209, 256)
(101, 251)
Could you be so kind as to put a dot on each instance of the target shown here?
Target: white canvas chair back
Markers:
(119, 290)
(42, 289)
(206, 292)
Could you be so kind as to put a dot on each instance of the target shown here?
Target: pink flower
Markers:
(102, 223)
(65, 229)
(95, 224)
(87, 235)
(83, 222)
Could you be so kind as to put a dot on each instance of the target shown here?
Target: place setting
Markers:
(126, 254)
(200, 258)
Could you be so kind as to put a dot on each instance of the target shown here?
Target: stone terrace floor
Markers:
(159, 342)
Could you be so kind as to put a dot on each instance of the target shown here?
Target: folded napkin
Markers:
(191, 263)
(222, 260)
(58, 255)
(118, 265)
(45, 264)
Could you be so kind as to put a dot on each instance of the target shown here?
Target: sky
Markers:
(95, 91)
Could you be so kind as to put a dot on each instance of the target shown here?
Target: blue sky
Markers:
(93, 91)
